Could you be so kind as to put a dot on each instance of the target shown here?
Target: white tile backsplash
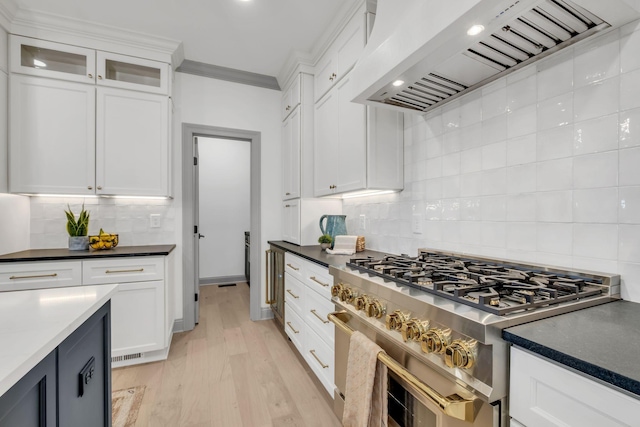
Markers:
(535, 169)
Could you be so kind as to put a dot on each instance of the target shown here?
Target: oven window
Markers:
(405, 410)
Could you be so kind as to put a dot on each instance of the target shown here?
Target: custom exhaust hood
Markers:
(422, 53)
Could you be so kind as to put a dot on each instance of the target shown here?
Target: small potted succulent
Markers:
(325, 241)
(78, 229)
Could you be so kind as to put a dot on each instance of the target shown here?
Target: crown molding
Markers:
(297, 62)
(228, 74)
(67, 30)
(8, 10)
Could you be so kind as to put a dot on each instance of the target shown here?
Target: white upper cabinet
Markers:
(342, 55)
(291, 97)
(66, 62)
(132, 143)
(52, 136)
(291, 156)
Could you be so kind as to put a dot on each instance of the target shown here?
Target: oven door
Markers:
(417, 394)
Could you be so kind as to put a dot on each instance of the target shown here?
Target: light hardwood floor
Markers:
(229, 371)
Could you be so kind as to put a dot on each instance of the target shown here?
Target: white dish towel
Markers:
(366, 389)
(344, 245)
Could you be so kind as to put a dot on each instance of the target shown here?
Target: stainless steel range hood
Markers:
(425, 44)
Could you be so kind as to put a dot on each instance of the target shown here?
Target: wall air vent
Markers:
(535, 33)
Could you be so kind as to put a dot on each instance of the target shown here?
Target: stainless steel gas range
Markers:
(439, 317)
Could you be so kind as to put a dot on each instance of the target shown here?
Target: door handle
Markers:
(200, 236)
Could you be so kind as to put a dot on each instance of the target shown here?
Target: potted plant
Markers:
(325, 241)
(78, 229)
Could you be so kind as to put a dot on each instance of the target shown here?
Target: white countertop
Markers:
(34, 322)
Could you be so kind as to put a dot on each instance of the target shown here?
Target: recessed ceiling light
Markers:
(398, 83)
(475, 30)
(38, 63)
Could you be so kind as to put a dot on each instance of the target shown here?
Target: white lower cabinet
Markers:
(39, 275)
(307, 304)
(543, 393)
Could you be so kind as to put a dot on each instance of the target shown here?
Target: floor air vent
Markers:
(126, 357)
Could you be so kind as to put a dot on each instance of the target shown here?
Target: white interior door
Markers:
(196, 231)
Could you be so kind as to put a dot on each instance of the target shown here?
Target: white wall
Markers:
(210, 102)
(4, 99)
(14, 223)
(224, 172)
(540, 166)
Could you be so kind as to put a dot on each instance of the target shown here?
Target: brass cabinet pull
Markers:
(454, 406)
(90, 76)
(291, 266)
(287, 194)
(267, 300)
(89, 187)
(137, 270)
(317, 281)
(318, 316)
(33, 277)
(292, 294)
(292, 328)
(287, 206)
(99, 187)
(313, 353)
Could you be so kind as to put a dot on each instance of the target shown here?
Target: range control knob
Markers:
(395, 320)
(347, 295)
(460, 354)
(413, 329)
(435, 340)
(360, 302)
(336, 289)
(374, 308)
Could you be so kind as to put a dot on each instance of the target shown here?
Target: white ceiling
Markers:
(255, 35)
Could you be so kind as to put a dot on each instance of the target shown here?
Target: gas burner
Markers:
(495, 287)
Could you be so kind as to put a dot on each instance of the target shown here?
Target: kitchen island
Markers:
(55, 334)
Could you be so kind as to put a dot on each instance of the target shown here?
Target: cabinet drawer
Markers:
(315, 315)
(318, 278)
(294, 327)
(320, 358)
(294, 265)
(120, 270)
(40, 275)
(294, 293)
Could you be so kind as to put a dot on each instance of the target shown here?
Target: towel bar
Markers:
(454, 405)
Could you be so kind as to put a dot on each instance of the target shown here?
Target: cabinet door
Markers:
(31, 402)
(52, 136)
(53, 60)
(291, 97)
(325, 74)
(137, 318)
(84, 374)
(128, 72)
(132, 147)
(4, 135)
(349, 45)
(325, 147)
(291, 156)
(291, 221)
(351, 154)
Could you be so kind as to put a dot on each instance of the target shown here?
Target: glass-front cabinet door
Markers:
(54, 60)
(128, 72)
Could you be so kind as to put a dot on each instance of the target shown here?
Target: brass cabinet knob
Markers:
(99, 187)
(435, 340)
(90, 75)
(413, 329)
(361, 301)
(336, 290)
(374, 308)
(460, 354)
(89, 187)
(99, 77)
(395, 320)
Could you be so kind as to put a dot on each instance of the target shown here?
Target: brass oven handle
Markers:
(317, 281)
(292, 294)
(313, 353)
(454, 406)
(291, 266)
(266, 281)
(137, 270)
(33, 277)
(292, 328)
(318, 316)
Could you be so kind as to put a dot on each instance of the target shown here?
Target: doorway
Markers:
(190, 231)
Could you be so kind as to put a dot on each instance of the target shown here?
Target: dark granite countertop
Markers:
(316, 254)
(65, 254)
(600, 341)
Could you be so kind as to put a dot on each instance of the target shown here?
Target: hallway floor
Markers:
(229, 371)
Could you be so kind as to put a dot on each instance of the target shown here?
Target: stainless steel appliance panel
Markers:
(275, 282)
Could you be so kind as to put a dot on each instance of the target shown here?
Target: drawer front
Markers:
(318, 278)
(315, 315)
(320, 358)
(294, 293)
(294, 327)
(40, 275)
(121, 270)
(294, 265)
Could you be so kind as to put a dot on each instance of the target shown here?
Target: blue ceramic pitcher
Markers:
(336, 226)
